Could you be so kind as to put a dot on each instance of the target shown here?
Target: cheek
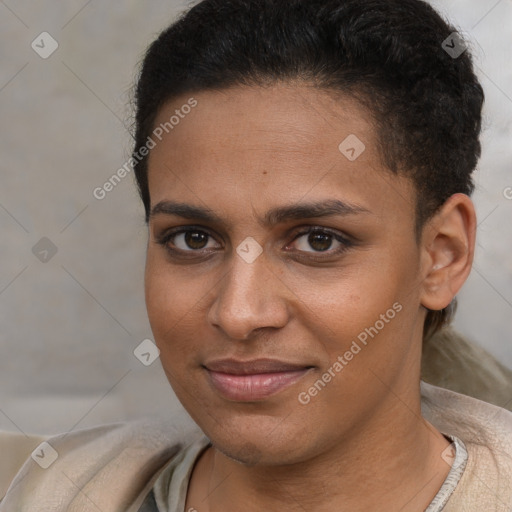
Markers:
(345, 302)
(366, 318)
(172, 301)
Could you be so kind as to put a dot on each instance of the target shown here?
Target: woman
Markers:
(305, 167)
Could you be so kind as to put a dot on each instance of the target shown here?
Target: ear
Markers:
(448, 248)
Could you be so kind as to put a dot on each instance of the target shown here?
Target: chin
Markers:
(258, 442)
(247, 454)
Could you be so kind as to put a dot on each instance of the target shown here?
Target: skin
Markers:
(361, 443)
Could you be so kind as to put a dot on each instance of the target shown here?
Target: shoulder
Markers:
(15, 449)
(486, 430)
(112, 465)
(452, 361)
(476, 421)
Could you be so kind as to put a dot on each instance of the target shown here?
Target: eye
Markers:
(321, 240)
(315, 240)
(187, 240)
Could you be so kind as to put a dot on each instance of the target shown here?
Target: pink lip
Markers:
(253, 380)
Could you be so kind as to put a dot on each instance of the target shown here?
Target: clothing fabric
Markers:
(170, 490)
(452, 361)
(452, 479)
(116, 467)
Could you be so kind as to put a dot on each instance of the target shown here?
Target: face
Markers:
(282, 271)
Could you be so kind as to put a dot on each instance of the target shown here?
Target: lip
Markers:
(249, 381)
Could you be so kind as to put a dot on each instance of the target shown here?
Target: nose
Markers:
(250, 297)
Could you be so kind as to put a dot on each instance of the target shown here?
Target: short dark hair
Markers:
(425, 104)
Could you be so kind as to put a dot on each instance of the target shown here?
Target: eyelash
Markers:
(346, 244)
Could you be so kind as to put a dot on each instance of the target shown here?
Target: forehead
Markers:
(302, 118)
(273, 144)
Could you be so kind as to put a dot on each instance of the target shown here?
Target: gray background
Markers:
(69, 325)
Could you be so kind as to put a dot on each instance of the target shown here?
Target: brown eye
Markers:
(320, 240)
(196, 239)
(187, 240)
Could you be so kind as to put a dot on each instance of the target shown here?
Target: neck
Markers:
(393, 463)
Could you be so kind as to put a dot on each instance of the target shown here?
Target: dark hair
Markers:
(388, 54)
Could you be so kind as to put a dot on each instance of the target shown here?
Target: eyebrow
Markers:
(277, 215)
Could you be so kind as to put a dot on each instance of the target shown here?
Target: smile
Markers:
(253, 380)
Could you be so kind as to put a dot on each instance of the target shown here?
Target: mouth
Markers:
(250, 381)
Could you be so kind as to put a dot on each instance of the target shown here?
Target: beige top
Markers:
(169, 493)
(113, 467)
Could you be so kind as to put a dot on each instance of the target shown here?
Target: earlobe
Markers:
(448, 246)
